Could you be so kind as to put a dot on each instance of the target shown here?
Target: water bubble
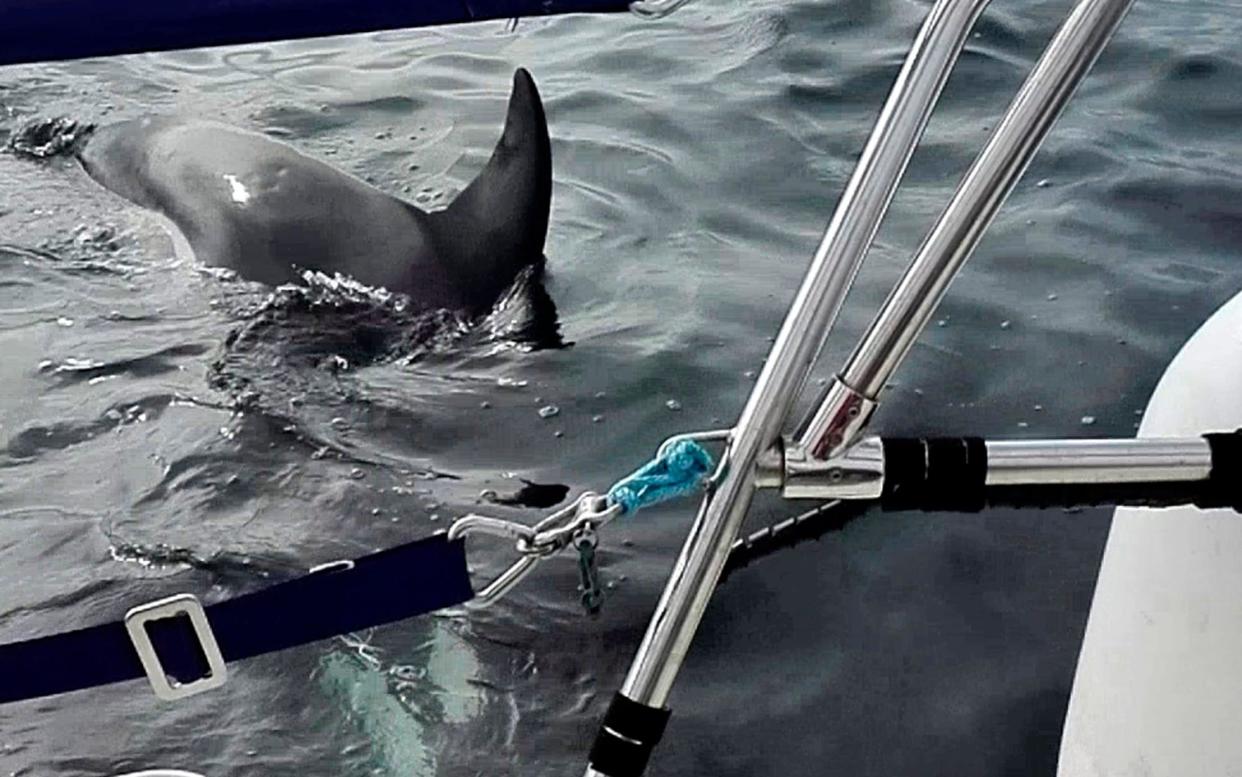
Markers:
(549, 411)
(597, 419)
(673, 405)
(1087, 420)
(485, 404)
(488, 495)
(1005, 324)
(357, 474)
(1043, 183)
(64, 321)
(1052, 297)
(601, 394)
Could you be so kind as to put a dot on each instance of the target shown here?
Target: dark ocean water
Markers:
(153, 413)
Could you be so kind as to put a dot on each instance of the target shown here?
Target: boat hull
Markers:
(1158, 688)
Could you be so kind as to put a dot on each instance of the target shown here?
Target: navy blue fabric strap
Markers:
(44, 30)
(391, 585)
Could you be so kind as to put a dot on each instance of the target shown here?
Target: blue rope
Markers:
(679, 471)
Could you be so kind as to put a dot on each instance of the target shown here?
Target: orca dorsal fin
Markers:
(498, 224)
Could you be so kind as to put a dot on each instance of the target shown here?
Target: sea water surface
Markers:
(164, 428)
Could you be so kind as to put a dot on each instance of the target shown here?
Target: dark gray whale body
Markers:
(258, 206)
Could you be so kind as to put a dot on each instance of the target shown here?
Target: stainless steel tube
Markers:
(1039, 462)
(815, 307)
(950, 242)
(859, 471)
(854, 223)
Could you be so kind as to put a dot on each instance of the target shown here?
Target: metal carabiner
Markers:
(592, 593)
(493, 527)
(711, 435)
(590, 511)
(534, 543)
(497, 527)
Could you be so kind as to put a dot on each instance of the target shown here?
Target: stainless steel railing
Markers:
(850, 401)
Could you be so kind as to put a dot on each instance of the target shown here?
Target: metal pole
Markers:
(1064, 462)
(859, 472)
(849, 234)
(819, 300)
(989, 181)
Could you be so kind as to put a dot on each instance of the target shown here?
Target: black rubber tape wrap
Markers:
(1224, 481)
(629, 733)
(944, 473)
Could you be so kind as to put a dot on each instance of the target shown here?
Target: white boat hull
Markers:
(1158, 689)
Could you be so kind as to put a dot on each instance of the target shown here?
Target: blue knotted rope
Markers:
(678, 471)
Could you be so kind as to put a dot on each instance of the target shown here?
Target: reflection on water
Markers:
(402, 704)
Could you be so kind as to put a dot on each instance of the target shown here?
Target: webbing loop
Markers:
(430, 574)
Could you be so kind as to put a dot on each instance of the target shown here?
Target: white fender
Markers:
(1158, 689)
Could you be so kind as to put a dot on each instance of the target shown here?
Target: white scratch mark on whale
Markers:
(241, 195)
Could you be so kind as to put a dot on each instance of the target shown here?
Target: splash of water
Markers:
(44, 138)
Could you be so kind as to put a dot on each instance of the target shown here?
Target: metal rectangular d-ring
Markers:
(181, 604)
